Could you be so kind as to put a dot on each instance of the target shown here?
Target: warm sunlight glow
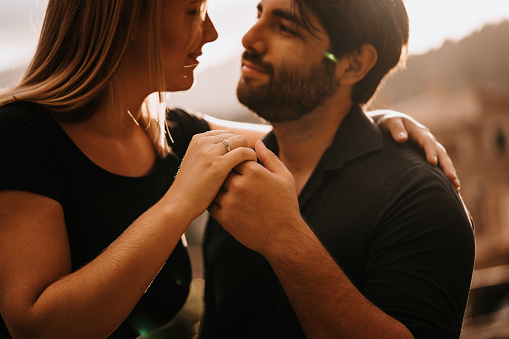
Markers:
(431, 22)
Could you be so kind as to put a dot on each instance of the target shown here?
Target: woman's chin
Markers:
(182, 84)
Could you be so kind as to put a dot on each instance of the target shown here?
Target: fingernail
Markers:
(435, 160)
(457, 181)
(402, 135)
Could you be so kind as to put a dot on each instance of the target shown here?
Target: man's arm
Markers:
(325, 301)
(260, 210)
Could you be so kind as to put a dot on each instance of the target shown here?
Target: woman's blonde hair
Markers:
(81, 46)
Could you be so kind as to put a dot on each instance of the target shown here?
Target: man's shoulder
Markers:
(407, 157)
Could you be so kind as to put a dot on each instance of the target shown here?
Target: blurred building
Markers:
(473, 125)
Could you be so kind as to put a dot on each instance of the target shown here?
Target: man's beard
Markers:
(289, 94)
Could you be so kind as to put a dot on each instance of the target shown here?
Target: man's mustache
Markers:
(256, 59)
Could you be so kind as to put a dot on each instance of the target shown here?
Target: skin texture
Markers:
(40, 297)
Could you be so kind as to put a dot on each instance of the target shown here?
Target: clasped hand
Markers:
(205, 167)
(258, 204)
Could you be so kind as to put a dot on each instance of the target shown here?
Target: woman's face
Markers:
(185, 29)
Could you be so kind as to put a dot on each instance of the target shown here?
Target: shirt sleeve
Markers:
(30, 152)
(183, 126)
(421, 264)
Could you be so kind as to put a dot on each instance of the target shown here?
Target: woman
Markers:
(91, 208)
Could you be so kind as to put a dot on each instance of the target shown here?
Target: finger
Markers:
(430, 149)
(221, 141)
(269, 160)
(211, 137)
(217, 200)
(421, 135)
(237, 156)
(445, 162)
(396, 127)
(216, 204)
(233, 142)
(217, 132)
(214, 209)
(232, 176)
(215, 138)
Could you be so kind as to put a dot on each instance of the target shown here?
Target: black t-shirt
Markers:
(38, 156)
(394, 224)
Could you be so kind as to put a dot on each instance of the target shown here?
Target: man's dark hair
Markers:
(351, 23)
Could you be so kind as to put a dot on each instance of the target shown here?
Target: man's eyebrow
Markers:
(286, 15)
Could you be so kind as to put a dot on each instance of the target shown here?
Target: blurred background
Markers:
(456, 82)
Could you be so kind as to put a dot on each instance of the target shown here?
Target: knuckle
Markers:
(431, 137)
(247, 153)
(234, 185)
(196, 138)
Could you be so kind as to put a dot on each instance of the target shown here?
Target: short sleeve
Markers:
(422, 256)
(30, 151)
(183, 126)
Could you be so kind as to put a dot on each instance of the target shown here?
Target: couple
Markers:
(345, 233)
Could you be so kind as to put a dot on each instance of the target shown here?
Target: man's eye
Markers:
(285, 29)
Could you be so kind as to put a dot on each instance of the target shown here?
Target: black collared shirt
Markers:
(393, 222)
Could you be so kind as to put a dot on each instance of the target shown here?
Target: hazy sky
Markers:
(432, 21)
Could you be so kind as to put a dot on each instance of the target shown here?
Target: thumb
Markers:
(268, 158)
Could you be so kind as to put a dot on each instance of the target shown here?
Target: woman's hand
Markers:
(206, 165)
(402, 126)
(258, 205)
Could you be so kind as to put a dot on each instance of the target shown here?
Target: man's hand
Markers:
(258, 205)
(205, 166)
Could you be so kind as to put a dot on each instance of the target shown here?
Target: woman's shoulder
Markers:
(182, 126)
(24, 125)
(186, 117)
(23, 114)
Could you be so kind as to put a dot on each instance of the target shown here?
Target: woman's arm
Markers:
(40, 296)
(251, 132)
(401, 126)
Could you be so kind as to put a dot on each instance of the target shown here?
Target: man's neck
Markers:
(302, 142)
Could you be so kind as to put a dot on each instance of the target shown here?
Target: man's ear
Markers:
(354, 66)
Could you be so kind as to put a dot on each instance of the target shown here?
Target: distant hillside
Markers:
(479, 59)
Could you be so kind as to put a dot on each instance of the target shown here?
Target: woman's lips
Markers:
(192, 60)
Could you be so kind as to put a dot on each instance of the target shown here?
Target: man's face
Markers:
(284, 74)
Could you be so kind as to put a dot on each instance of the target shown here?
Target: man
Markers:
(378, 243)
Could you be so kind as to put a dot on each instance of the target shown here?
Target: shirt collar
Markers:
(356, 136)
